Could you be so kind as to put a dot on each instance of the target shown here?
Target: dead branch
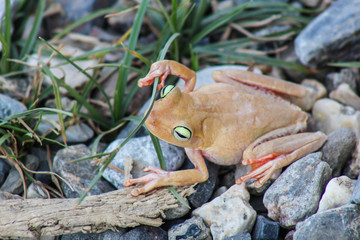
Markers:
(33, 218)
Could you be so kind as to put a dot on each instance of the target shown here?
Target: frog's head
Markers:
(171, 118)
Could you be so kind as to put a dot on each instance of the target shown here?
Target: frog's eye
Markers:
(165, 91)
(182, 133)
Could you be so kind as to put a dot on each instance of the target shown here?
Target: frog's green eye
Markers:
(166, 90)
(182, 133)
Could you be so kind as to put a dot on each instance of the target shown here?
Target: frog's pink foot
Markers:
(149, 182)
(157, 70)
(261, 168)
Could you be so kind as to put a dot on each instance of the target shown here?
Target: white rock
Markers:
(228, 214)
(337, 193)
(330, 115)
(61, 69)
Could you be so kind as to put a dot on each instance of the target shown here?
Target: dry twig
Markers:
(50, 217)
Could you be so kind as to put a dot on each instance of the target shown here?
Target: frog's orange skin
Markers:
(240, 118)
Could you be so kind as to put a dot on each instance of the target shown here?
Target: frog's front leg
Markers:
(160, 178)
(163, 69)
(265, 158)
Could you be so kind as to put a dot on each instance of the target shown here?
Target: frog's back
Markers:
(240, 114)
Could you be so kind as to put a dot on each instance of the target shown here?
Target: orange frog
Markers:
(240, 118)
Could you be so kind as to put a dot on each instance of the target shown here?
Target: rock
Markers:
(107, 235)
(338, 149)
(316, 91)
(61, 69)
(352, 167)
(295, 195)
(311, 3)
(34, 191)
(192, 229)
(331, 36)
(355, 196)
(228, 214)
(145, 233)
(290, 235)
(337, 193)
(78, 133)
(9, 106)
(43, 165)
(204, 190)
(242, 170)
(78, 174)
(265, 229)
(142, 152)
(13, 182)
(178, 212)
(4, 171)
(330, 115)
(8, 196)
(219, 191)
(240, 236)
(346, 96)
(336, 223)
(334, 80)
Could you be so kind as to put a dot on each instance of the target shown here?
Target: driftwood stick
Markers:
(33, 218)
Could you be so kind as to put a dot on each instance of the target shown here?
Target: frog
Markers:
(243, 117)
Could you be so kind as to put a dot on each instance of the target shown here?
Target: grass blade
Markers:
(216, 24)
(35, 29)
(119, 110)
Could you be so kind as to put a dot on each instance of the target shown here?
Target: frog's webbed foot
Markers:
(262, 168)
(157, 70)
(266, 157)
(150, 181)
(163, 69)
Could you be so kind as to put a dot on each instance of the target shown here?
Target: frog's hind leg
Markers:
(265, 158)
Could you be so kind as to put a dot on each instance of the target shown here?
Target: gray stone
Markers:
(334, 80)
(192, 229)
(265, 229)
(4, 170)
(352, 167)
(78, 174)
(13, 182)
(78, 133)
(332, 36)
(295, 195)
(34, 191)
(311, 3)
(204, 190)
(228, 214)
(240, 236)
(333, 224)
(355, 197)
(9, 106)
(338, 149)
(8, 196)
(145, 233)
(43, 165)
(142, 152)
(178, 212)
(107, 235)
